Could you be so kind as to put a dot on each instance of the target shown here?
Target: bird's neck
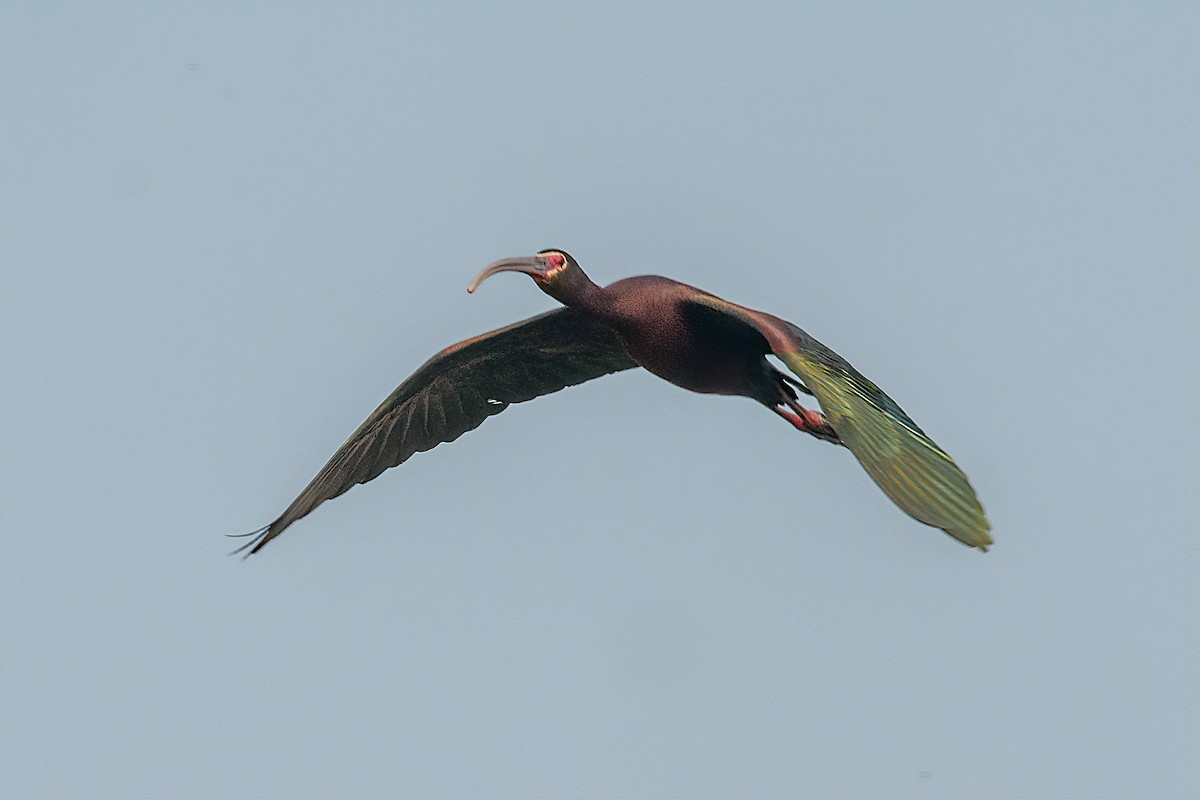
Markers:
(573, 288)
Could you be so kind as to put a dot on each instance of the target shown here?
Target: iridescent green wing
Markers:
(909, 466)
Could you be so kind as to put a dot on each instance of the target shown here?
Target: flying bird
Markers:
(680, 333)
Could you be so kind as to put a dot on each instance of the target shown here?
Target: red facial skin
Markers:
(556, 262)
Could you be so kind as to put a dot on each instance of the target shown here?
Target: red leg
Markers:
(811, 422)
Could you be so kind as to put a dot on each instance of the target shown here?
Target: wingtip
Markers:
(251, 547)
(986, 543)
(979, 538)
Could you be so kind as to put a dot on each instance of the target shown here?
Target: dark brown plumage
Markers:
(687, 336)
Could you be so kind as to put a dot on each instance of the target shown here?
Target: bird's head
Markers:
(554, 271)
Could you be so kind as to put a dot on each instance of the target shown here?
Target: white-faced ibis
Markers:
(682, 334)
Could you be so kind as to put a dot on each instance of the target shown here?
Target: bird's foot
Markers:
(811, 422)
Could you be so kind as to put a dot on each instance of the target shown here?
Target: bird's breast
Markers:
(659, 336)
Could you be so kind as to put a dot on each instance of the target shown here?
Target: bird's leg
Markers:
(811, 422)
(796, 383)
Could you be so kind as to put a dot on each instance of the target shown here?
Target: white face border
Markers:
(557, 261)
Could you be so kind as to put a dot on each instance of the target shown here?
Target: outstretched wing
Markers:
(454, 392)
(909, 466)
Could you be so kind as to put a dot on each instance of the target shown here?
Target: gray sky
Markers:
(229, 230)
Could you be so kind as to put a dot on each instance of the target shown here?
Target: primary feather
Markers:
(907, 465)
(454, 392)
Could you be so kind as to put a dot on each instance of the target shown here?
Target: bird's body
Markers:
(661, 330)
(680, 333)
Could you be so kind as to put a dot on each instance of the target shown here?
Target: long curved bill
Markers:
(531, 265)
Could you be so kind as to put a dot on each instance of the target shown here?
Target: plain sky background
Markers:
(227, 231)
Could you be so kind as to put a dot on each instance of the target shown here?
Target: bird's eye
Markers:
(556, 260)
